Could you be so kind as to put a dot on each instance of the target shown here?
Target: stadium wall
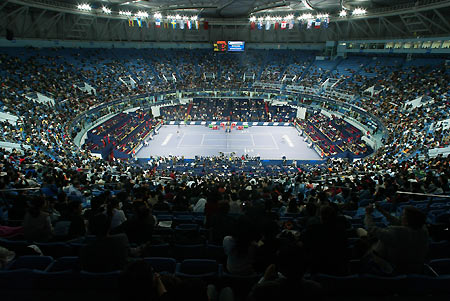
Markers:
(141, 45)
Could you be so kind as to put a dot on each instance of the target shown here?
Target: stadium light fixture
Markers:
(84, 6)
(157, 15)
(194, 18)
(252, 19)
(289, 17)
(141, 14)
(322, 16)
(359, 11)
(178, 17)
(106, 10)
(306, 17)
(125, 13)
(343, 13)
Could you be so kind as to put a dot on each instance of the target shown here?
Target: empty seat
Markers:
(30, 262)
(159, 250)
(441, 266)
(187, 227)
(162, 264)
(194, 251)
(339, 286)
(99, 281)
(198, 268)
(56, 249)
(439, 249)
(70, 263)
(215, 252)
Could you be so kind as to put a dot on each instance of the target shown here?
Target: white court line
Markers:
(167, 139)
(221, 139)
(182, 137)
(253, 140)
(203, 138)
(288, 140)
(274, 141)
(221, 146)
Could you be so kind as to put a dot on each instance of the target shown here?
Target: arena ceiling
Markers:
(228, 20)
(241, 8)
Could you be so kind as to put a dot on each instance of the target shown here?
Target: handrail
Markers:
(244, 93)
(424, 194)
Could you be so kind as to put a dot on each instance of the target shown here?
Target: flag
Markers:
(283, 24)
(158, 23)
(148, 24)
(130, 22)
(260, 25)
(291, 24)
(166, 25)
(181, 24)
(310, 22)
(139, 22)
(205, 25)
(277, 25)
(268, 25)
(326, 22)
(174, 24)
(197, 25)
(189, 24)
(252, 25)
(317, 23)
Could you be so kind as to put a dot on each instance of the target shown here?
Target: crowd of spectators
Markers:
(329, 213)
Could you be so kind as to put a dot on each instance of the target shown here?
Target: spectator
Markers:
(402, 247)
(36, 224)
(107, 253)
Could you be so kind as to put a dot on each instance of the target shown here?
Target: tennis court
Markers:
(267, 142)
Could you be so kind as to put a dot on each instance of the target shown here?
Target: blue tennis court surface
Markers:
(267, 142)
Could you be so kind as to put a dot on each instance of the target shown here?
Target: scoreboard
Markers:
(220, 46)
(231, 46)
(236, 45)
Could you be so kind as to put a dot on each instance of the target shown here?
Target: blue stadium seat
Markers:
(162, 264)
(158, 250)
(70, 263)
(198, 268)
(30, 262)
(441, 266)
(194, 251)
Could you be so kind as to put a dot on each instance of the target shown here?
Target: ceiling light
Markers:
(84, 7)
(142, 14)
(125, 13)
(157, 15)
(306, 17)
(343, 13)
(320, 16)
(359, 11)
(106, 10)
(252, 19)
